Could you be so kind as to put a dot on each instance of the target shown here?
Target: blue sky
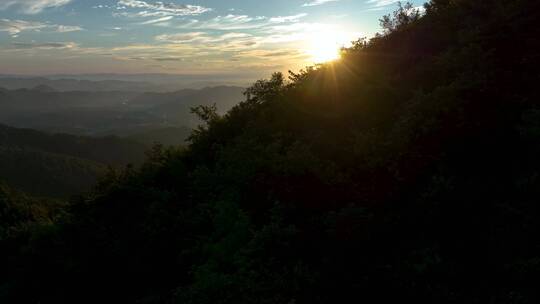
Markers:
(42, 37)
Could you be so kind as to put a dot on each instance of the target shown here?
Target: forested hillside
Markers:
(407, 171)
(60, 165)
(108, 150)
(20, 212)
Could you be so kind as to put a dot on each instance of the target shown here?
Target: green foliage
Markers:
(20, 213)
(60, 165)
(46, 174)
(109, 150)
(171, 136)
(265, 90)
(405, 15)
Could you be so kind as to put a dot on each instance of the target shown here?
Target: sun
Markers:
(324, 47)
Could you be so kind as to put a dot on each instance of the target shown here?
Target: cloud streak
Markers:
(44, 46)
(15, 27)
(161, 9)
(32, 6)
(222, 43)
(317, 2)
(381, 3)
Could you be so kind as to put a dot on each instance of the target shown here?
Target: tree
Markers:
(265, 90)
(405, 15)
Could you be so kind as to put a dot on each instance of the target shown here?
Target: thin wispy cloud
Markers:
(271, 54)
(227, 22)
(317, 2)
(234, 22)
(182, 38)
(44, 46)
(222, 43)
(157, 20)
(162, 9)
(31, 6)
(15, 27)
(293, 18)
(67, 28)
(380, 3)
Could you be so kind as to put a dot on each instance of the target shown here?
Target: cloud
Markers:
(161, 9)
(228, 22)
(270, 54)
(318, 2)
(223, 43)
(168, 59)
(68, 28)
(381, 3)
(15, 27)
(32, 6)
(44, 46)
(238, 22)
(157, 20)
(182, 38)
(293, 18)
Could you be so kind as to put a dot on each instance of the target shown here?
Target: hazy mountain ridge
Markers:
(117, 82)
(13, 83)
(109, 113)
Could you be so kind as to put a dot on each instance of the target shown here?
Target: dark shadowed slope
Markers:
(171, 136)
(47, 174)
(108, 150)
(58, 164)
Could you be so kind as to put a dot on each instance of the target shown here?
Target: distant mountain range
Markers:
(119, 82)
(14, 83)
(102, 113)
(122, 119)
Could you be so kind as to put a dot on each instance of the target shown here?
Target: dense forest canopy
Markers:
(406, 171)
(60, 165)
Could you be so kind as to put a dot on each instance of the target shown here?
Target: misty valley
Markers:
(121, 113)
(59, 143)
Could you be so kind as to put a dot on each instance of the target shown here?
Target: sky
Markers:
(251, 37)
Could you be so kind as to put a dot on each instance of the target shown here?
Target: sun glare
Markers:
(324, 47)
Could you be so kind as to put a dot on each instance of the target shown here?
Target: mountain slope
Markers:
(166, 136)
(20, 212)
(59, 165)
(108, 150)
(46, 174)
